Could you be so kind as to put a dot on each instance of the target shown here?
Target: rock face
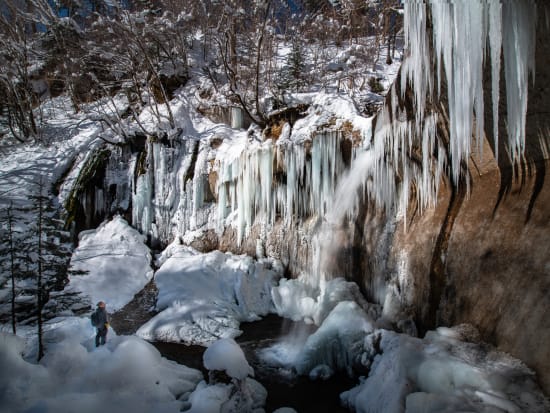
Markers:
(478, 257)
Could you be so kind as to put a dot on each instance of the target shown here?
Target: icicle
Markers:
(519, 59)
(416, 68)
(236, 118)
(495, 43)
(464, 32)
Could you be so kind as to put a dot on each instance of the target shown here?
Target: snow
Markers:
(115, 261)
(203, 297)
(209, 399)
(336, 341)
(241, 394)
(226, 355)
(66, 136)
(448, 370)
(248, 396)
(335, 346)
(299, 299)
(442, 372)
(127, 374)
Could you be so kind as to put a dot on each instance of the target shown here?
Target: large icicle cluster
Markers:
(465, 34)
(169, 189)
(280, 179)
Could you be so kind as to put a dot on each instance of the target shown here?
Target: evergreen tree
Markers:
(8, 247)
(51, 255)
(15, 270)
(291, 77)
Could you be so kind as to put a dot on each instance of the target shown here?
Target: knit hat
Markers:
(101, 304)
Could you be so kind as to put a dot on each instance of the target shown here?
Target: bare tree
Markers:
(15, 78)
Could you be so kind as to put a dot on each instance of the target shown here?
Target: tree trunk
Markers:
(12, 267)
(39, 287)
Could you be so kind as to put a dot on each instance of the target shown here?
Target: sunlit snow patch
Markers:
(126, 375)
(115, 262)
(204, 297)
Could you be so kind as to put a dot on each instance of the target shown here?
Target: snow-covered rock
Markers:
(203, 297)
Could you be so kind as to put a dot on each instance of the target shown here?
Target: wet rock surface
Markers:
(137, 312)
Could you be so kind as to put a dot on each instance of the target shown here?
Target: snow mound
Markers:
(204, 297)
(226, 355)
(127, 374)
(247, 396)
(236, 392)
(442, 374)
(298, 299)
(337, 345)
(115, 262)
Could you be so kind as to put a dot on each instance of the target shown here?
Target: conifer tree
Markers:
(51, 257)
(291, 76)
(11, 252)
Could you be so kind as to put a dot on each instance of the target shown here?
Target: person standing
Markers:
(100, 320)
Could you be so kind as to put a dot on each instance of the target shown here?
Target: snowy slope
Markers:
(115, 264)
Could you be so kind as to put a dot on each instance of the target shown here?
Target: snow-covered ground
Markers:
(127, 374)
(113, 264)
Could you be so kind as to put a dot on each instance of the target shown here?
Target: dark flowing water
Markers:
(284, 388)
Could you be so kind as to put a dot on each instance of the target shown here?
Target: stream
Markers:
(285, 389)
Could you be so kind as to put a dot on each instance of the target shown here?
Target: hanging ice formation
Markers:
(403, 157)
(168, 194)
(464, 35)
(281, 179)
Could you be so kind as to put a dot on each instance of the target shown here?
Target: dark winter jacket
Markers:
(103, 317)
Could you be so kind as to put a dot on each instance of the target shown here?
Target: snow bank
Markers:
(127, 374)
(115, 262)
(441, 373)
(226, 355)
(204, 297)
(239, 392)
